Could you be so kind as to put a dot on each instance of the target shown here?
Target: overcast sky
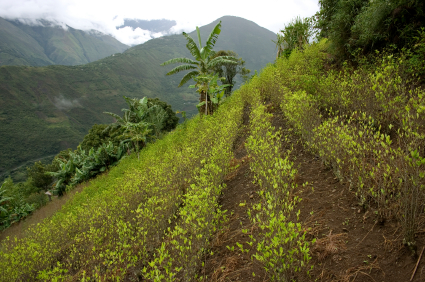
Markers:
(106, 15)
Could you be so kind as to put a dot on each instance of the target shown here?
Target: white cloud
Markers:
(106, 15)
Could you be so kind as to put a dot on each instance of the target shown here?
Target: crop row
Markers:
(280, 245)
(366, 123)
(112, 228)
(180, 255)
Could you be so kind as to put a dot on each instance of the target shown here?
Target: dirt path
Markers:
(351, 244)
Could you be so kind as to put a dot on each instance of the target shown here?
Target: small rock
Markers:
(358, 211)
(251, 197)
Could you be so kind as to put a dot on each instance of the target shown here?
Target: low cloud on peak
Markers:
(106, 16)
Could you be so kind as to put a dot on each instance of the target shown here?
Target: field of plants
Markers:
(155, 217)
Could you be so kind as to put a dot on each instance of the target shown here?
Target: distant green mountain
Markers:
(49, 44)
(47, 109)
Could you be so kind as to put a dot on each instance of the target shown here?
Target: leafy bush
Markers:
(296, 34)
(100, 134)
(82, 166)
(363, 25)
(281, 244)
(12, 209)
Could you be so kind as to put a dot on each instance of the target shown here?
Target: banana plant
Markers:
(63, 175)
(4, 208)
(204, 62)
(137, 133)
(139, 111)
(209, 84)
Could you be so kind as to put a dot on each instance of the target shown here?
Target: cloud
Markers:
(65, 104)
(131, 37)
(106, 15)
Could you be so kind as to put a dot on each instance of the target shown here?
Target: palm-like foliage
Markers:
(3, 200)
(140, 121)
(204, 60)
(295, 35)
(139, 112)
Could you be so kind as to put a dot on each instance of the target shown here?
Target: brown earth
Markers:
(351, 244)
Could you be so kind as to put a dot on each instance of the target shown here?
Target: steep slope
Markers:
(47, 109)
(19, 48)
(47, 44)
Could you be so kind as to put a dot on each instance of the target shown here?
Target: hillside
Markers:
(47, 109)
(275, 186)
(49, 44)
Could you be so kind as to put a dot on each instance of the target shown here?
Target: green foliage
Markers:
(363, 25)
(82, 166)
(115, 225)
(352, 118)
(209, 84)
(205, 63)
(49, 109)
(38, 176)
(12, 209)
(171, 120)
(180, 254)
(296, 34)
(229, 71)
(36, 45)
(100, 134)
(153, 219)
(203, 55)
(281, 245)
(140, 123)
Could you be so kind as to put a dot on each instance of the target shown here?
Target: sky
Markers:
(106, 15)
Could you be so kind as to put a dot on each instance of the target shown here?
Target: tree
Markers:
(39, 178)
(171, 119)
(295, 35)
(229, 71)
(101, 134)
(364, 25)
(140, 121)
(204, 62)
(209, 84)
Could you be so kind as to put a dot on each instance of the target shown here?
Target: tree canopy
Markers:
(229, 71)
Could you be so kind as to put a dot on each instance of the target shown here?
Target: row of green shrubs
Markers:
(366, 123)
(280, 243)
(113, 227)
(180, 255)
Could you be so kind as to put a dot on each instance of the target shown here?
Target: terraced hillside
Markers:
(295, 177)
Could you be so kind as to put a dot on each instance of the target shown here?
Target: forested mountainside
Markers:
(50, 44)
(48, 109)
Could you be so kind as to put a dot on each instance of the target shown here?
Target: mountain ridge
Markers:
(47, 109)
(49, 44)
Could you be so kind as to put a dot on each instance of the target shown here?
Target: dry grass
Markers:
(332, 244)
(352, 273)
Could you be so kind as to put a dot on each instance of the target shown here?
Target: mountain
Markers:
(47, 44)
(47, 109)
